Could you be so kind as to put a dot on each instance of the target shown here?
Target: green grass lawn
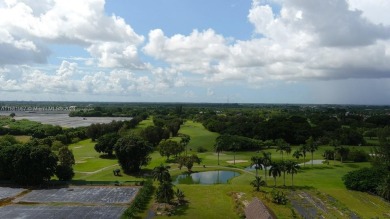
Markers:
(216, 201)
(200, 137)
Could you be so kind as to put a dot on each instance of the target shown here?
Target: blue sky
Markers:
(245, 51)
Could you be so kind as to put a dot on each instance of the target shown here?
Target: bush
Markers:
(365, 179)
(201, 149)
(140, 201)
(279, 197)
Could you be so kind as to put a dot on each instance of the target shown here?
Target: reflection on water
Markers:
(208, 177)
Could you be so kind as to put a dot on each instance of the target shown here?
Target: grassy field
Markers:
(200, 137)
(321, 183)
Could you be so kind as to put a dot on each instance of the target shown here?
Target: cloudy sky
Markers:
(237, 51)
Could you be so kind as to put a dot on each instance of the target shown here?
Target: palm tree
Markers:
(266, 162)
(297, 154)
(257, 162)
(292, 168)
(161, 173)
(180, 196)
(185, 139)
(275, 171)
(283, 168)
(312, 146)
(234, 147)
(282, 146)
(164, 192)
(304, 149)
(218, 148)
(343, 152)
(328, 155)
(258, 182)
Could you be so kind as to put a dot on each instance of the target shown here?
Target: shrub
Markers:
(279, 197)
(140, 201)
(201, 149)
(365, 179)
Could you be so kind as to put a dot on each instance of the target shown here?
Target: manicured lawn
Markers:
(200, 137)
(87, 159)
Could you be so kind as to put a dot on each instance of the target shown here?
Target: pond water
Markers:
(208, 177)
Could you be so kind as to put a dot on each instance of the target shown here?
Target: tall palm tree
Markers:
(282, 146)
(164, 192)
(328, 155)
(266, 162)
(343, 152)
(161, 173)
(297, 154)
(304, 149)
(257, 162)
(258, 182)
(275, 171)
(312, 146)
(218, 148)
(185, 139)
(283, 168)
(292, 168)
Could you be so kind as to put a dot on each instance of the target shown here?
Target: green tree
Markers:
(266, 162)
(328, 155)
(275, 171)
(161, 173)
(164, 192)
(218, 147)
(257, 183)
(184, 141)
(292, 168)
(282, 146)
(188, 161)
(304, 148)
(64, 170)
(169, 147)
(105, 144)
(180, 196)
(154, 134)
(343, 153)
(33, 165)
(257, 162)
(283, 168)
(312, 146)
(132, 153)
(297, 154)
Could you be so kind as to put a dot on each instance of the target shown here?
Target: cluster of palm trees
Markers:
(165, 192)
(276, 169)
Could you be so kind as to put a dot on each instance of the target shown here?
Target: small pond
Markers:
(208, 177)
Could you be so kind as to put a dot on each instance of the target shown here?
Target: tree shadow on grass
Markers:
(293, 188)
(318, 167)
(107, 157)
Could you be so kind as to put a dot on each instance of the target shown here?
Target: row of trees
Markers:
(276, 168)
(32, 164)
